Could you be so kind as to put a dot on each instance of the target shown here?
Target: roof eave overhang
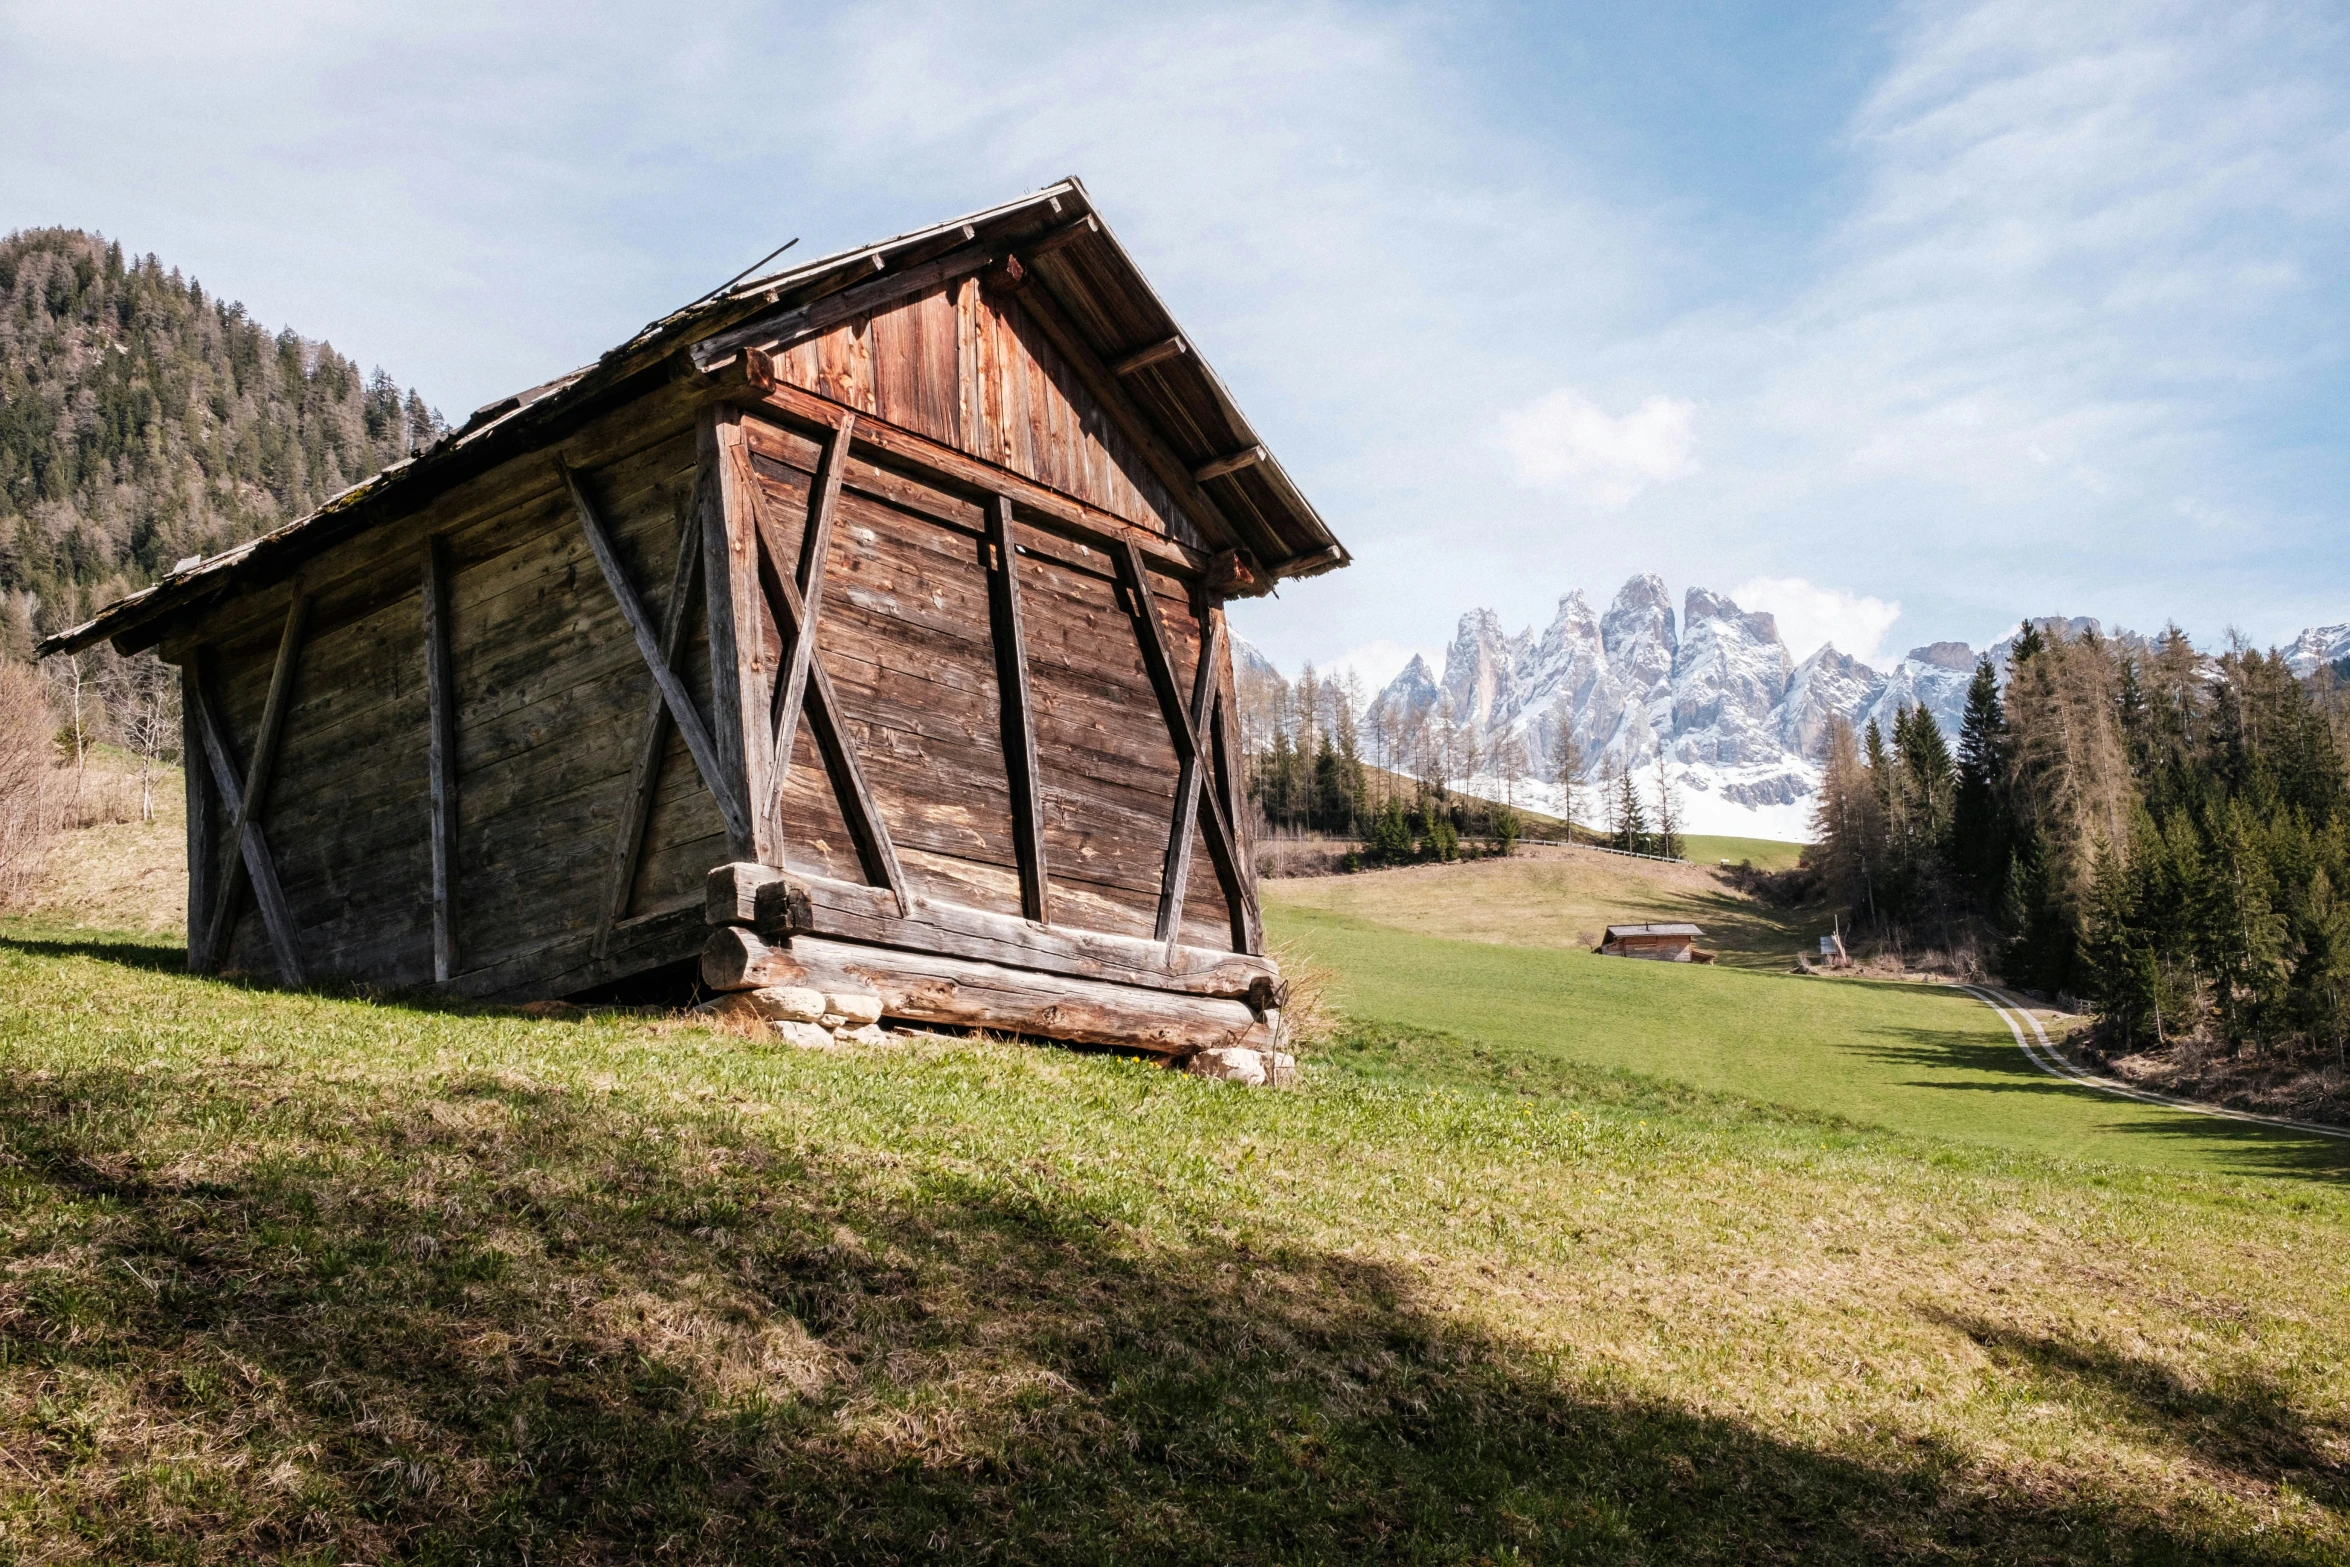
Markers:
(663, 347)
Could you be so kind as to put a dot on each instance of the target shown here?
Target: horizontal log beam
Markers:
(1233, 462)
(786, 904)
(952, 992)
(1144, 358)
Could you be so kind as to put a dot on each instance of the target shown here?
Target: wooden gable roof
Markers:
(1094, 341)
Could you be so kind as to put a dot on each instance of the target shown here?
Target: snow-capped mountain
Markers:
(2317, 647)
(1741, 726)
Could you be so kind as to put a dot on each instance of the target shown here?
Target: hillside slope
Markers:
(290, 1279)
(143, 419)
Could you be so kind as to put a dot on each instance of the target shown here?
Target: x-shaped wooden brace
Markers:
(680, 702)
(653, 734)
(250, 846)
(793, 605)
(1189, 729)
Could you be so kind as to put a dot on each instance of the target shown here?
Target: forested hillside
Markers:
(143, 420)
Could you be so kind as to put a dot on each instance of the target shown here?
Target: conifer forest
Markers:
(2160, 832)
(144, 420)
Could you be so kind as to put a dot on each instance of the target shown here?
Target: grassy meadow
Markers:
(1550, 1258)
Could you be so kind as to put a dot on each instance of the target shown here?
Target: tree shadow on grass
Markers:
(2244, 1147)
(2244, 1426)
(511, 1323)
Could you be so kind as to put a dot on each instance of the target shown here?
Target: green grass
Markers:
(1770, 854)
(296, 1279)
(1920, 1060)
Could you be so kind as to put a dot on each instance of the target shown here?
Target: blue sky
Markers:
(1899, 321)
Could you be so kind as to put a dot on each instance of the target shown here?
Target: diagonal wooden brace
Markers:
(653, 733)
(1018, 726)
(245, 805)
(1188, 733)
(800, 656)
(1175, 876)
(252, 844)
(875, 852)
(689, 723)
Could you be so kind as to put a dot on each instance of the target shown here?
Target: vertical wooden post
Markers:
(800, 648)
(1018, 729)
(731, 596)
(203, 825)
(440, 697)
(1231, 795)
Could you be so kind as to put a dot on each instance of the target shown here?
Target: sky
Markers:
(1899, 321)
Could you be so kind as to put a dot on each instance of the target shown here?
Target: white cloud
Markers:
(1564, 440)
(1810, 615)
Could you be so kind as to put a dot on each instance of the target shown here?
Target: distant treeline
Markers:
(142, 421)
(2128, 820)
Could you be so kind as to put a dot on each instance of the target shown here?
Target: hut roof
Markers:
(1618, 932)
(1089, 275)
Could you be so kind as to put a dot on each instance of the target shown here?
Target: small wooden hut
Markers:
(871, 611)
(1659, 943)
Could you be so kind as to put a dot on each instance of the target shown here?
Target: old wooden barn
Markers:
(861, 626)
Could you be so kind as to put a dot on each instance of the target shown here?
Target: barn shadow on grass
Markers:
(154, 954)
(512, 1323)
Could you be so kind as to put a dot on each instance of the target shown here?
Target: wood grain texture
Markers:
(653, 742)
(203, 827)
(955, 992)
(730, 578)
(815, 552)
(788, 904)
(252, 844)
(259, 771)
(440, 699)
(689, 723)
(1024, 785)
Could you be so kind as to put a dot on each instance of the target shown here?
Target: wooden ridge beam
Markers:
(1144, 358)
(800, 649)
(756, 386)
(804, 321)
(1246, 457)
(859, 813)
(652, 734)
(252, 843)
(1017, 720)
(681, 707)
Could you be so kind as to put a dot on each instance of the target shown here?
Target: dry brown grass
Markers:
(1545, 897)
(107, 868)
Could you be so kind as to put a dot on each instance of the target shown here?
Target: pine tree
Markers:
(1668, 812)
(1631, 821)
(1982, 832)
(1566, 765)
